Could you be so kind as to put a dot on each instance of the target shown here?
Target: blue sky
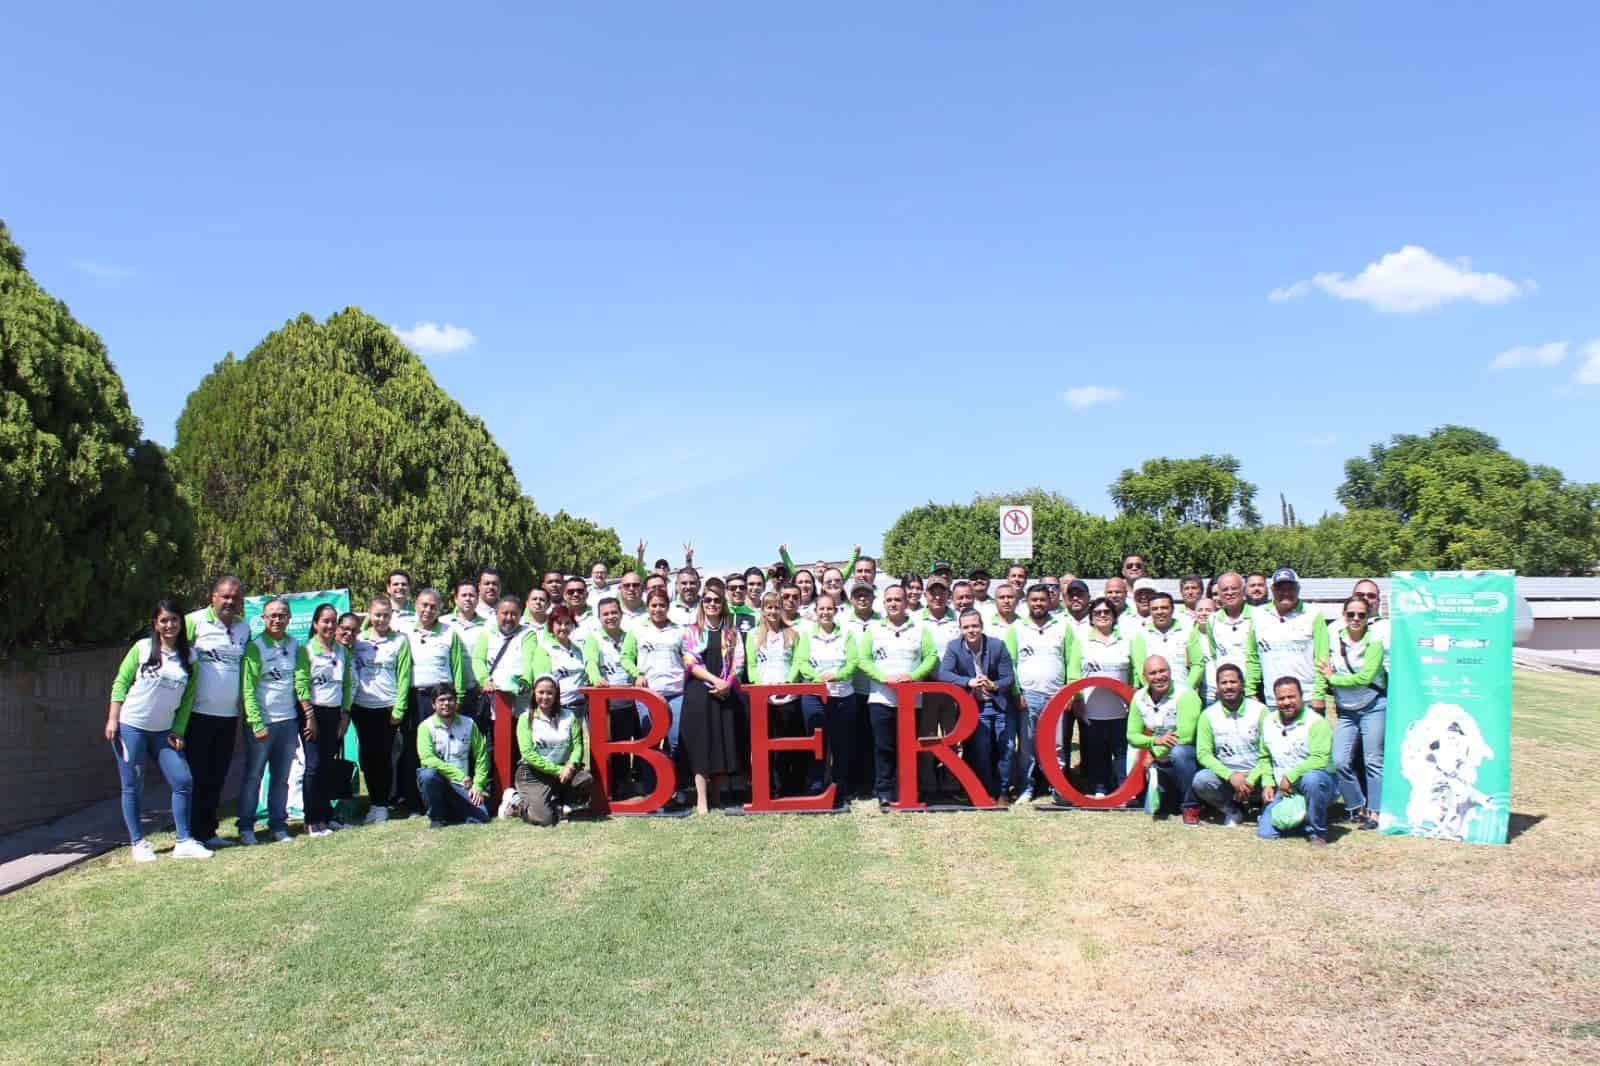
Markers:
(743, 275)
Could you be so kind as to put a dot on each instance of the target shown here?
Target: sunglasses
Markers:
(1101, 612)
(1355, 614)
(1135, 566)
(711, 599)
(736, 586)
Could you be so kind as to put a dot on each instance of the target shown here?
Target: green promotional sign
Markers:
(1447, 749)
(301, 607)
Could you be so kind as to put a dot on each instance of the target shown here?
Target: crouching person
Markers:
(1227, 742)
(453, 770)
(550, 775)
(1162, 719)
(1296, 749)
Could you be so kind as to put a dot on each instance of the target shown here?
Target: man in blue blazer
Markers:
(982, 665)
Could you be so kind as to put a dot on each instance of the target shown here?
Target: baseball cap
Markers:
(940, 565)
(1144, 584)
(935, 579)
(1284, 573)
(862, 592)
(1076, 585)
(979, 572)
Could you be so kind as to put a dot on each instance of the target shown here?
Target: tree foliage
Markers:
(1452, 499)
(329, 456)
(1200, 492)
(572, 545)
(94, 528)
(1456, 499)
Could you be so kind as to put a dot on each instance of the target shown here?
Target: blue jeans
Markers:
(647, 772)
(1317, 787)
(446, 800)
(814, 716)
(993, 750)
(1028, 727)
(1365, 725)
(1175, 776)
(1215, 792)
(277, 752)
(141, 744)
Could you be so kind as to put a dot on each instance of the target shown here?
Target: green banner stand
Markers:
(302, 605)
(1447, 745)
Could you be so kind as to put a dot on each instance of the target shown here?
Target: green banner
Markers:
(301, 607)
(1447, 749)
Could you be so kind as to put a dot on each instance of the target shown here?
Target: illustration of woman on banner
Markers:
(1440, 758)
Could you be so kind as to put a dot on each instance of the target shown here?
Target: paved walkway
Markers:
(37, 852)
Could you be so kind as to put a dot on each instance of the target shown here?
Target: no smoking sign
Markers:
(1016, 532)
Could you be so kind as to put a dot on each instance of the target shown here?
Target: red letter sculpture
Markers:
(1045, 747)
(762, 746)
(909, 745)
(645, 748)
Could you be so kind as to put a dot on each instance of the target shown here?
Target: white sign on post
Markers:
(1016, 531)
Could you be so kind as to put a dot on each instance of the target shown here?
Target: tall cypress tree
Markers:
(93, 529)
(329, 456)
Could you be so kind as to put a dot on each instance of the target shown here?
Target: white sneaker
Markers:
(1026, 797)
(218, 843)
(281, 836)
(319, 831)
(191, 849)
(508, 803)
(143, 851)
(247, 837)
(1232, 817)
(376, 815)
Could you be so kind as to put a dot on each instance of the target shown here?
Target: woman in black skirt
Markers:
(713, 655)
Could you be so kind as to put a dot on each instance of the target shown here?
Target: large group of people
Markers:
(1246, 699)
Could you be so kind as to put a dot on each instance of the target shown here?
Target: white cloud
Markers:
(1589, 369)
(1412, 279)
(1089, 395)
(430, 338)
(1530, 355)
(103, 271)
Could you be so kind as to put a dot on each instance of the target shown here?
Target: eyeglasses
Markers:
(1101, 611)
(736, 586)
(789, 597)
(1355, 614)
(1052, 586)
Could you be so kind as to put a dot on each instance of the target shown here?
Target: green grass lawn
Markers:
(1012, 937)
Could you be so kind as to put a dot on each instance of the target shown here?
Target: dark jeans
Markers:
(407, 764)
(844, 723)
(375, 739)
(937, 715)
(318, 789)
(884, 745)
(1175, 778)
(1103, 754)
(991, 750)
(208, 747)
(132, 748)
(798, 773)
(447, 801)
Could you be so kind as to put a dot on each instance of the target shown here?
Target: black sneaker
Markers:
(434, 823)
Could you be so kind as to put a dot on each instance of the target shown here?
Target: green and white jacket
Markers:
(158, 698)
(329, 678)
(456, 750)
(1229, 742)
(1292, 750)
(887, 650)
(276, 678)
(1177, 712)
(382, 667)
(218, 662)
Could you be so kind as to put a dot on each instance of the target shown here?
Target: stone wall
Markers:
(53, 752)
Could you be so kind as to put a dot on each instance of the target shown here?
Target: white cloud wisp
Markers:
(1412, 279)
(1085, 396)
(430, 338)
